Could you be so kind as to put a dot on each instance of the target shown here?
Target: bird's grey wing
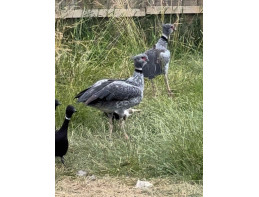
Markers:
(154, 65)
(116, 91)
(87, 93)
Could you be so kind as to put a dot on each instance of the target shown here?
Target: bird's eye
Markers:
(144, 58)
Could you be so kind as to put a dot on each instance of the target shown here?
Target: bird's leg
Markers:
(123, 128)
(131, 111)
(62, 160)
(110, 124)
(170, 93)
(153, 87)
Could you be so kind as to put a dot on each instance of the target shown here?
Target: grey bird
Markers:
(115, 96)
(159, 58)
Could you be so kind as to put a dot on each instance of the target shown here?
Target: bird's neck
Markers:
(138, 70)
(65, 125)
(138, 78)
(162, 42)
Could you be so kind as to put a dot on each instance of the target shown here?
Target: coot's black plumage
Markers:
(61, 141)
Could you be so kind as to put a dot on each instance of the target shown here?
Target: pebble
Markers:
(92, 178)
(143, 184)
(81, 173)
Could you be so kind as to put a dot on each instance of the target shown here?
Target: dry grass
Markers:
(108, 186)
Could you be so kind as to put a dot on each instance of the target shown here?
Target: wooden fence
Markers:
(126, 8)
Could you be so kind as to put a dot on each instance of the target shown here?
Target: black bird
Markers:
(57, 103)
(61, 142)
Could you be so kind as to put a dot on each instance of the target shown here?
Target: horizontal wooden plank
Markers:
(174, 9)
(129, 12)
(124, 4)
(200, 2)
(192, 9)
(190, 3)
(164, 9)
(100, 13)
(164, 2)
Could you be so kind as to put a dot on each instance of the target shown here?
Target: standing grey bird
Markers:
(159, 58)
(116, 97)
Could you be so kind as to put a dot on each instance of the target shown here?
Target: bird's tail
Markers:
(81, 93)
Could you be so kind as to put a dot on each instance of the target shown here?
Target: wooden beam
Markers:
(100, 13)
(129, 12)
(174, 9)
(163, 9)
(192, 9)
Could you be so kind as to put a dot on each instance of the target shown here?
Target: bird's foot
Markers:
(126, 137)
(131, 111)
(155, 94)
(170, 93)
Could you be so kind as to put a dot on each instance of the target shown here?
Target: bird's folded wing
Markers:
(115, 91)
(155, 64)
(86, 93)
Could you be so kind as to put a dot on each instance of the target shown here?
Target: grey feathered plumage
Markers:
(159, 55)
(116, 96)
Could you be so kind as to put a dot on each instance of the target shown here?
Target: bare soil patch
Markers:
(124, 187)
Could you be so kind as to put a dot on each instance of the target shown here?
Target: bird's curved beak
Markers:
(146, 60)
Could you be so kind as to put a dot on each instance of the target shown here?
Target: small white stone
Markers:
(81, 173)
(92, 178)
(143, 184)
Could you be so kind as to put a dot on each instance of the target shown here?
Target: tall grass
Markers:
(166, 136)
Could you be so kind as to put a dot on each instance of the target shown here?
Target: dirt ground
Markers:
(118, 187)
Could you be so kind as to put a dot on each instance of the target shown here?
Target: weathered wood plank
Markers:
(136, 4)
(165, 9)
(200, 2)
(101, 4)
(129, 12)
(173, 9)
(110, 8)
(192, 9)
(176, 3)
(172, 2)
(101, 13)
(190, 3)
